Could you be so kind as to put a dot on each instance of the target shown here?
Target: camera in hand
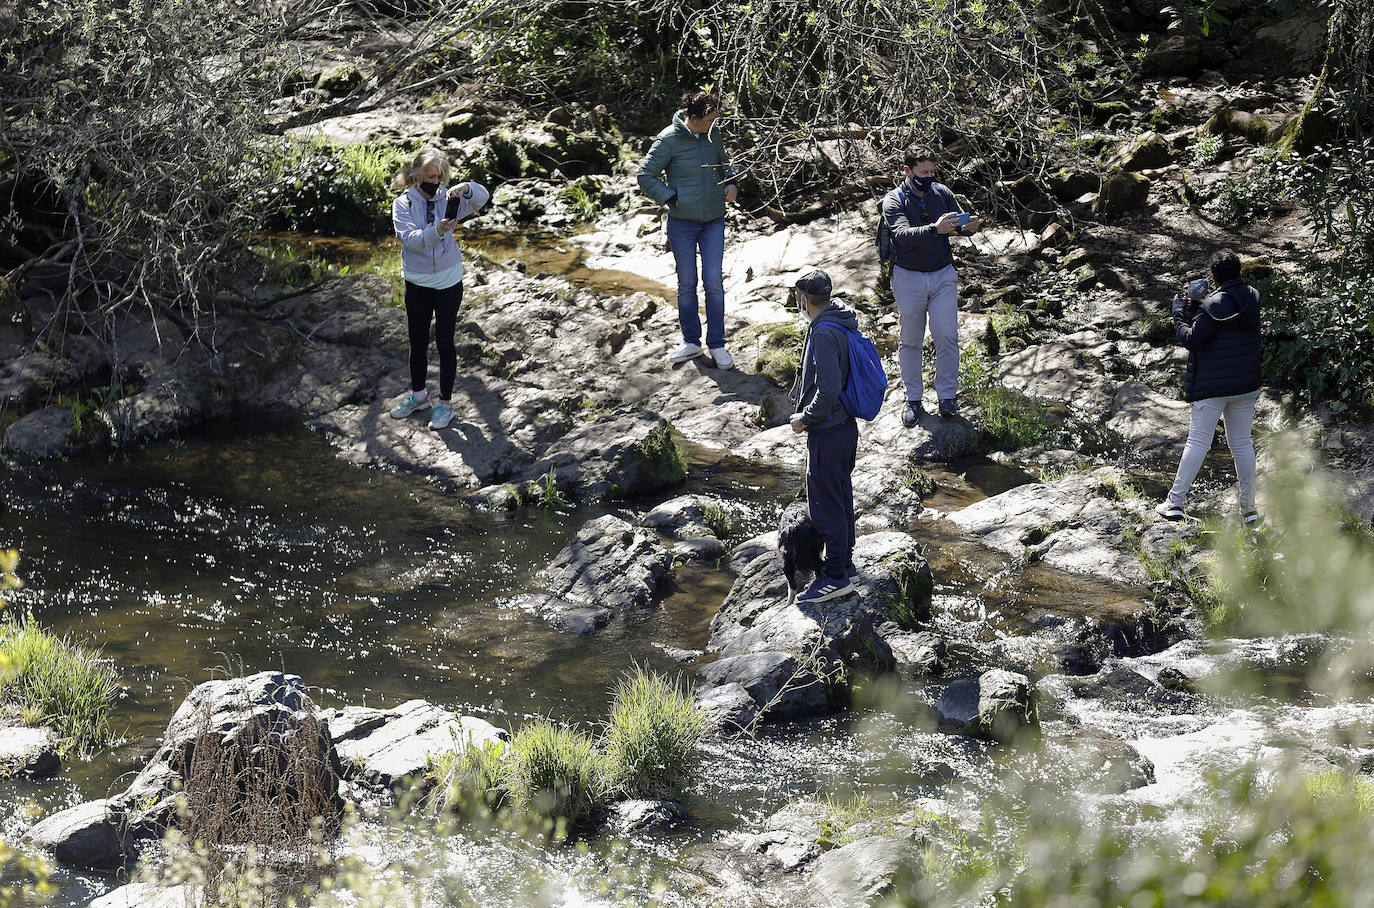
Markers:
(451, 211)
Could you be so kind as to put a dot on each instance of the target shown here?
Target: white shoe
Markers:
(684, 353)
(409, 404)
(723, 358)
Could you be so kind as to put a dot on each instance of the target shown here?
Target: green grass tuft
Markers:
(56, 683)
(652, 737)
(1010, 421)
(718, 519)
(554, 771)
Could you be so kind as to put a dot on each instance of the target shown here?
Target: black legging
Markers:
(422, 305)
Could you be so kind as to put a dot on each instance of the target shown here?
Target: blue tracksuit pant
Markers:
(829, 491)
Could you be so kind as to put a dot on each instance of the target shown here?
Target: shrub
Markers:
(1010, 420)
(1204, 150)
(56, 683)
(1254, 191)
(652, 737)
(321, 187)
(553, 771)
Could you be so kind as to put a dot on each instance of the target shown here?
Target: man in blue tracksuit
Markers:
(832, 434)
(921, 214)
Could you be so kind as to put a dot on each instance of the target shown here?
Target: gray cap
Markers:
(815, 283)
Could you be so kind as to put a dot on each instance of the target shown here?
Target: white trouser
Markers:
(1238, 413)
(935, 295)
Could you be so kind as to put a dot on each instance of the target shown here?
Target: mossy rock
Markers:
(9, 300)
(915, 587)
(655, 464)
(779, 351)
(1146, 151)
(1177, 55)
(1105, 111)
(1256, 268)
(339, 80)
(468, 124)
(1257, 129)
(1122, 192)
(1068, 183)
(1011, 326)
(1076, 258)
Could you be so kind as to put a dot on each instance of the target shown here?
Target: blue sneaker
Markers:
(411, 403)
(442, 416)
(949, 407)
(824, 588)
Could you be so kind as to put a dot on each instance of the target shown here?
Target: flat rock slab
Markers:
(28, 752)
(149, 895)
(643, 815)
(1077, 523)
(384, 748)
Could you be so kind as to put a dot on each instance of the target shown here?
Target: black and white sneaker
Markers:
(912, 413)
(824, 588)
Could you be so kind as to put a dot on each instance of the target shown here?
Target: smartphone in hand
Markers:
(963, 218)
(451, 211)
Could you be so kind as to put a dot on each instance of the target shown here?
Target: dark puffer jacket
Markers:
(1223, 342)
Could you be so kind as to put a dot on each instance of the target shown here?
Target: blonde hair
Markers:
(410, 174)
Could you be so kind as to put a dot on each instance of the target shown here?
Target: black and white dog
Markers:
(799, 544)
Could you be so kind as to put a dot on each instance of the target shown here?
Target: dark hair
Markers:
(701, 104)
(915, 154)
(1225, 266)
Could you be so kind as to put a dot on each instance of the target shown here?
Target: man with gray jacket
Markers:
(688, 170)
(832, 433)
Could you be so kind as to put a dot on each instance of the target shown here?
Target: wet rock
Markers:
(919, 654)
(683, 517)
(89, 835)
(631, 817)
(1100, 762)
(232, 716)
(780, 685)
(998, 705)
(757, 629)
(49, 432)
(1126, 689)
(866, 871)
(1122, 192)
(28, 752)
(700, 548)
(729, 708)
(790, 837)
(609, 564)
(1079, 523)
(578, 619)
(388, 749)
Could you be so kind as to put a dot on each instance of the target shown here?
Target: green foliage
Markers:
(553, 771)
(718, 519)
(1010, 421)
(56, 683)
(915, 587)
(1011, 326)
(558, 773)
(779, 350)
(321, 187)
(581, 199)
(841, 815)
(651, 740)
(663, 457)
(1269, 179)
(1170, 570)
(1204, 150)
(546, 493)
(917, 481)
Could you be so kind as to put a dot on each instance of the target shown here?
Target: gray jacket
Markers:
(824, 369)
(423, 249)
(695, 168)
(917, 245)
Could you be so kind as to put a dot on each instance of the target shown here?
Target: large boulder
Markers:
(610, 564)
(49, 432)
(90, 835)
(866, 871)
(1122, 192)
(792, 657)
(1176, 55)
(998, 705)
(1146, 151)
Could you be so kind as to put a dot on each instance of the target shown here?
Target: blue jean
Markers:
(686, 237)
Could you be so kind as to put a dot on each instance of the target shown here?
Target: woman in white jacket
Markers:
(433, 268)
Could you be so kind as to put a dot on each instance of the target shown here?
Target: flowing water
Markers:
(243, 547)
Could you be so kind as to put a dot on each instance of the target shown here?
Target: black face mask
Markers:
(429, 188)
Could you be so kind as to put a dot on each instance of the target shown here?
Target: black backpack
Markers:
(886, 247)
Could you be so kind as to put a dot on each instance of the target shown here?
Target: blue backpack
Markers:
(866, 383)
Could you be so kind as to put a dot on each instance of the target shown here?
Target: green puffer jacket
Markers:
(694, 167)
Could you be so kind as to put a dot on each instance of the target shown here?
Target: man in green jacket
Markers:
(688, 170)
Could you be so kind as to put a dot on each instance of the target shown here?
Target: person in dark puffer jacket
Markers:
(1223, 380)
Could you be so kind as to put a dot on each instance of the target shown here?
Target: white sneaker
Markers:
(684, 353)
(723, 358)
